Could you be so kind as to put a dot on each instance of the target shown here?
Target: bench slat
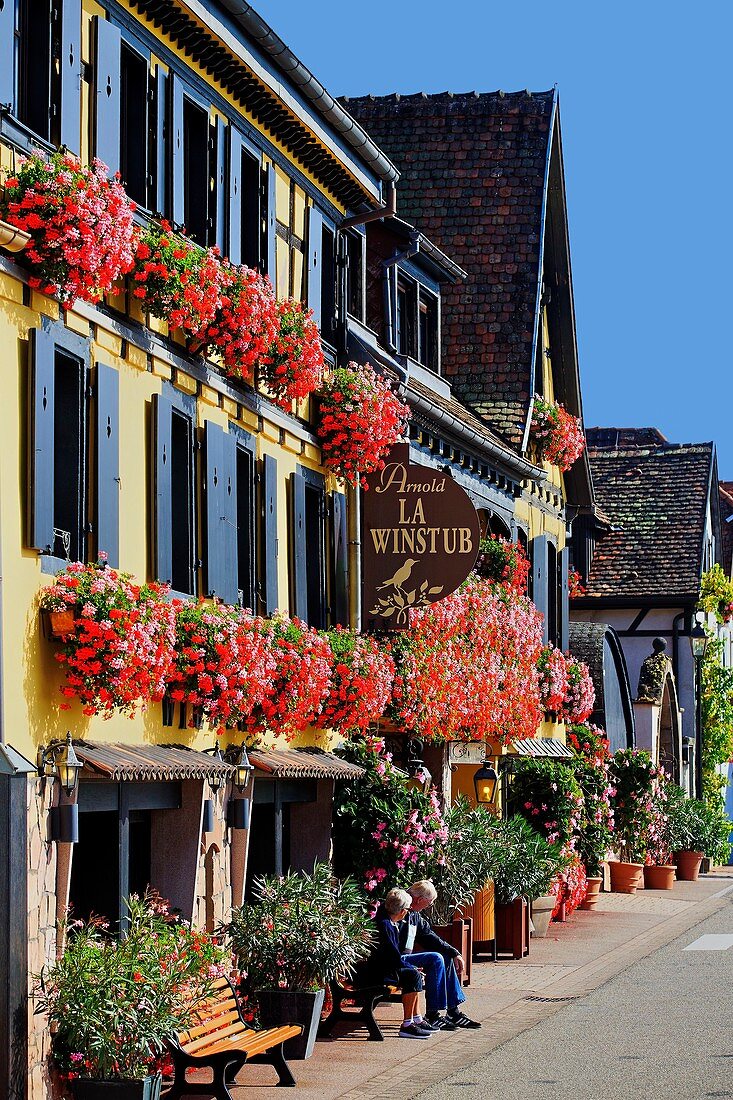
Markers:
(208, 1025)
(237, 1028)
(264, 1041)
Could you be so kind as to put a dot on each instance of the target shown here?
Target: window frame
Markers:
(245, 444)
(134, 46)
(355, 294)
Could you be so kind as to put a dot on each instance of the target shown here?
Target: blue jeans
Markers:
(442, 985)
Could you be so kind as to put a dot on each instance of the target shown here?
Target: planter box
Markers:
(149, 1089)
(459, 934)
(57, 624)
(541, 910)
(512, 928)
(291, 1006)
(484, 924)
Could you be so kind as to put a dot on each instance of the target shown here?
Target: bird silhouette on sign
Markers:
(400, 576)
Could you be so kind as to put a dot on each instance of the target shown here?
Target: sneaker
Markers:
(441, 1023)
(459, 1019)
(426, 1025)
(413, 1031)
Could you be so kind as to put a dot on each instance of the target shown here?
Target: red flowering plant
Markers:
(558, 436)
(570, 886)
(360, 419)
(223, 663)
(581, 695)
(361, 682)
(301, 682)
(293, 365)
(120, 649)
(246, 321)
(386, 833)
(595, 832)
(503, 562)
(547, 794)
(177, 281)
(466, 668)
(552, 668)
(589, 742)
(111, 1003)
(635, 781)
(80, 222)
(576, 588)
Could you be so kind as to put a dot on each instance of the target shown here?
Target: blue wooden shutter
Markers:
(221, 514)
(221, 183)
(269, 533)
(315, 239)
(162, 488)
(108, 463)
(298, 547)
(71, 75)
(339, 561)
(540, 581)
(161, 132)
(177, 151)
(234, 190)
(271, 223)
(7, 53)
(107, 94)
(564, 597)
(41, 440)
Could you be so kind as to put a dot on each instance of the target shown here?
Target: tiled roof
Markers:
(615, 439)
(303, 764)
(726, 525)
(655, 496)
(148, 762)
(473, 178)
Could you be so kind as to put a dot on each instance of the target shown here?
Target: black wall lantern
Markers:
(242, 767)
(419, 776)
(486, 783)
(59, 761)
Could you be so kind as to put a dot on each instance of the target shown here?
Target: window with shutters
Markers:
(406, 317)
(328, 284)
(63, 512)
(135, 126)
(290, 234)
(251, 217)
(196, 173)
(355, 275)
(37, 45)
(174, 439)
(246, 526)
(553, 601)
(182, 500)
(428, 331)
(308, 547)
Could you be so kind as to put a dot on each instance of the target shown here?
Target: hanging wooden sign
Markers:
(420, 540)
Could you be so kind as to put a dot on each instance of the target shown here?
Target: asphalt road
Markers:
(662, 1030)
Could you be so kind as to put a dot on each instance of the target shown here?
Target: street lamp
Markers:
(238, 809)
(699, 643)
(485, 782)
(419, 776)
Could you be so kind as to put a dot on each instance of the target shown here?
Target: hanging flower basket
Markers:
(581, 695)
(223, 663)
(293, 365)
(80, 222)
(361, 682)
(558, 436)
(246, 322)
(360, 419)
(119, 650)
(503, 562)
(552, 668)
(576, 588)
(303, 660)
(177, 281)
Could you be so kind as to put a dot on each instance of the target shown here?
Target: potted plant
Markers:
(301, 932)
(292, 368)
(524, 865)
(633, 777)
(557, 434)
(696, 830)
(659, 870)
(595, 830)
(111, 1002)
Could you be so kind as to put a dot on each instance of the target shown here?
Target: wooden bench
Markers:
(365, 998)
(221, 1041)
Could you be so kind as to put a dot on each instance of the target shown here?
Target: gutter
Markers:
(312, 89)
(494, 451)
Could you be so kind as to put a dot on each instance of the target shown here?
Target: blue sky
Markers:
(648, 149)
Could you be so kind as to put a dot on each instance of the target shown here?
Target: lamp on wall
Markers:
(59, 761)
(419, 776)
(486, 783)
(238, 809)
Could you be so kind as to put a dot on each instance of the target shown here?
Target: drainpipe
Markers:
(390, 296)
(353, 524)
(676, 647)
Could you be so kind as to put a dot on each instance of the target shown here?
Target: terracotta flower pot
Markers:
(541, 912)
(659, 876)
(626, 877)
(688, 865)
(60, 623)
(592, 893)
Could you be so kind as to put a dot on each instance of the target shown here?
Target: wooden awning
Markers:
(119, 762)
(302, 764)
(542, 746)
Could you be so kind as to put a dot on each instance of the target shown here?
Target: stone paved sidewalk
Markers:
(508, 997)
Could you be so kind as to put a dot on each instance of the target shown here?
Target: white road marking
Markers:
(710, 943)
(728, 889)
